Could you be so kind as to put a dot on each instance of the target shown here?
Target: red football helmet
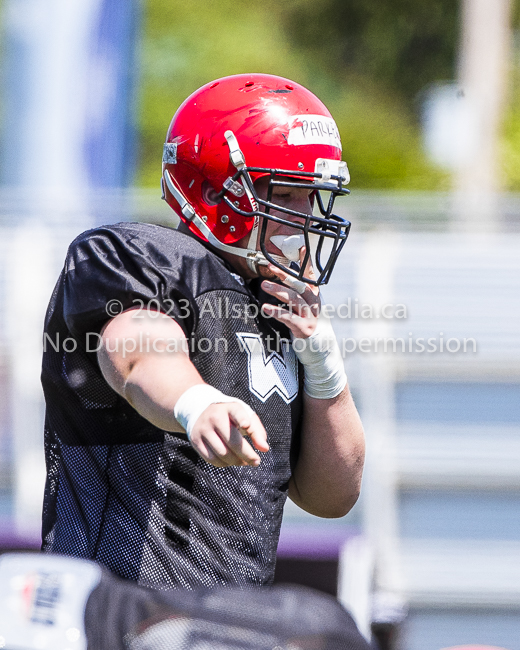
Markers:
(237, 129)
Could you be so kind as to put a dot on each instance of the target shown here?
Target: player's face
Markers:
(294, 198)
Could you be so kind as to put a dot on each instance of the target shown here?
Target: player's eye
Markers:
(282, 197)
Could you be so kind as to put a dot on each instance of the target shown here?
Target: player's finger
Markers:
(309, 271)
(308, 293)
(213, 442)
(207, 453)
(207, 435)
(213, 438)
(248, 422)
(294, 301)
(298, 287)
(299, 326)
(239, 451)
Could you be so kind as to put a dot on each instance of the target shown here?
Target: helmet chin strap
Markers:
(239, 161)
(252, 244)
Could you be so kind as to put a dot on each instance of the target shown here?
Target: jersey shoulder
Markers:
(136, 265)
(135, 247)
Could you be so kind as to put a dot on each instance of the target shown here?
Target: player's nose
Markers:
(301, 203)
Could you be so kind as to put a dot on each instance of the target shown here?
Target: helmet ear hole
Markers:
(209, 194)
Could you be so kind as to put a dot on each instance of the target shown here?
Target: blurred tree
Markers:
(353, 55)
(402, 45)
(510, 153)
(185, 45)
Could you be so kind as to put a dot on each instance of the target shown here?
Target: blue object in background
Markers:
(68, 97)
(433, 630)
(110, 133)
(458, 402)
(471, 410)
(67, 152)
(460, 514)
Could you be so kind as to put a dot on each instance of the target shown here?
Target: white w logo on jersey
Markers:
(270, 373)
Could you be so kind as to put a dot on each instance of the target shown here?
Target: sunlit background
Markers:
(426, 94)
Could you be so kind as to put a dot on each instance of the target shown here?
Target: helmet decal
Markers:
(314, 129)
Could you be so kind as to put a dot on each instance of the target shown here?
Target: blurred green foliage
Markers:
(510, 149)
(403, 45)
(185, 45)
(368, 60)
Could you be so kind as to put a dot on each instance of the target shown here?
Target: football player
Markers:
(191, 382)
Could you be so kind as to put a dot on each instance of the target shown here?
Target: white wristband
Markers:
(321, 358)
(195, 400)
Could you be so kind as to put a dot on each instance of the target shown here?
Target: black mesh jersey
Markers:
(125, 493)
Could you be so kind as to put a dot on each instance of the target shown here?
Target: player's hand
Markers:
(218, 435)
(301, 314)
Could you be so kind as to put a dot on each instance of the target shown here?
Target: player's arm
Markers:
(327, 478)
(144, 358)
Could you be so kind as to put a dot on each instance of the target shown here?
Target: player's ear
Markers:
(209, 194)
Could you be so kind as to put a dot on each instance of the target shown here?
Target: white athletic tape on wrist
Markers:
(321, 358)
(195, 400)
